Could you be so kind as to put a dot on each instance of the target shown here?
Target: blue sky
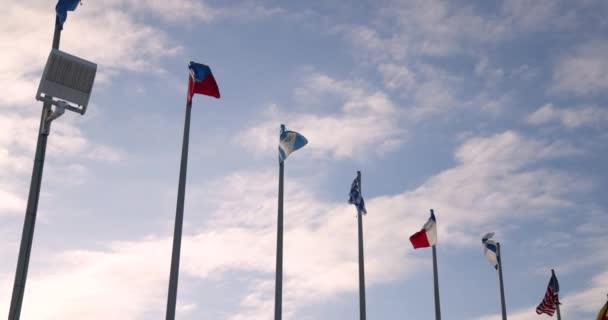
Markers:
(492, 113)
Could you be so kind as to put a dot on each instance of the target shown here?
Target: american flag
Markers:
(551, 300)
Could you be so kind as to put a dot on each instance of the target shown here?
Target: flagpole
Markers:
(559, 314)
(27, 235)
(436, 281)
(278, 291)
(179, 218)
(502, 288)
(435, 277)
(362, 313)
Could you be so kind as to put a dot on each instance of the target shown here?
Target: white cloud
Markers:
(404, 38)
(105, 153)
(405, 29)
(570, 118)
(117, 284)
(535, 14)
(525, 72)
(439, 28)
(590, 299)
(492, 75)
(366, 121)
(484, 188)
(174, 10)
(67, 148)
(580, 304)
(397, 76)
(10, 202)
(320, 237)
(583, 72)
(121, 44)
(493, 181)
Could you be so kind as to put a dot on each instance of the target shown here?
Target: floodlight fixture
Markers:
(68, 79)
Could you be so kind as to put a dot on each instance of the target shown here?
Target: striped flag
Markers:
(551, 300)
(356, 198)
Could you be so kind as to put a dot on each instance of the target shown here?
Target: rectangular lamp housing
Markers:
(68, 78)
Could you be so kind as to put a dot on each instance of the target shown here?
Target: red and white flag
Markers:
(427, 236)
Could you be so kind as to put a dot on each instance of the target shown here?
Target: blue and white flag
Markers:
(62, 8)
(289, 141)
(356, 198)
(489, 249)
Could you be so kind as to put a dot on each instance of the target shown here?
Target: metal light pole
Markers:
(32, 202)
(70, 79)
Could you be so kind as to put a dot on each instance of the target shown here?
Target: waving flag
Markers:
(356, 198)
(489, 249)
(62, 8)
(427, 236)
(551, 299)
(289, 141)
(603, 315)
(201, 81)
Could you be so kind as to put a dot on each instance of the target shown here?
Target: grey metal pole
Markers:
(559, 314)
(436, 278)
(278, 290)
(502, 288)
(362, 313)
(179, 219)
(436, 281)
(27, 236)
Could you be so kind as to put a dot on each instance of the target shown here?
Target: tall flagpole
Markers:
(559, 314)
(278, 290)
(362, 313)
(179, 218)
(502, 288)
(27, 236)
(436, 281)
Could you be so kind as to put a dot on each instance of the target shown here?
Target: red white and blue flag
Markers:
(201, 81)
(426, 237)
(551, 299)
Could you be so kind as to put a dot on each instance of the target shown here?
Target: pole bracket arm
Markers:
(54, 113)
